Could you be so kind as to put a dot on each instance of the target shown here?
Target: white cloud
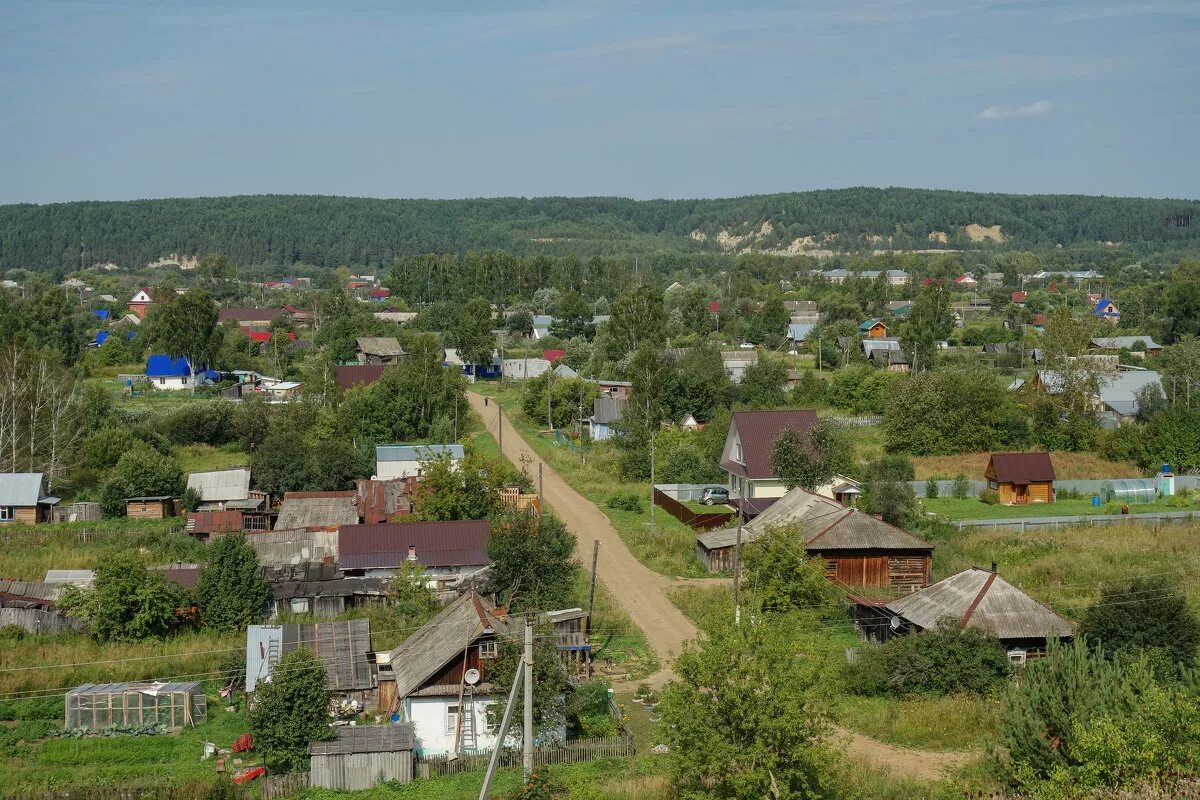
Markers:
(1004, 112)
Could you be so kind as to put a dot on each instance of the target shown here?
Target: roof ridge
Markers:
(987, 584)
(831, 525)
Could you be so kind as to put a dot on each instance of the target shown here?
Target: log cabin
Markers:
(23, 498)
(1021, 478)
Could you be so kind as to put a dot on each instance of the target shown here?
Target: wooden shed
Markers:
(150, 507)
(1021, 478)
(363, 757)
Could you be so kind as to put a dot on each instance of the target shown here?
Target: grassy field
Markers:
(1064, 568)
(203, 457)
(26, 552)
(670, 548)
(1067, 466)
(957, 722)
(974, 508)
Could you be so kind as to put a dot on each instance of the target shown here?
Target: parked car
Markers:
(715, 495)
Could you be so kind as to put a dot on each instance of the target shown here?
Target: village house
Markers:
(226, 489)
(394, 461)
(171, 373)
(1137, 345)
(286, 548)
(857, 549)
(606, 410)
(140, 303)
(965, 282)
(736, 362)
(378, 350)
(1119, 395)
(439, 679)
(23, 498)
(872, 328)
(449, 552)
(974, 598)
(344, 647)
(518, 369)
(251, 318)
(317, 510)
(1107, 310)
(797, 332)
(1021, 478)
(318, 588)
(746, 457)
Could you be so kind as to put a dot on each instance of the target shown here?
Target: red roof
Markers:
(265, 336)
(553, 354)
(714, 307)
(1018, 297)
(214, 521)
(757, 431)
(459, 543)
(379, 293)
(359, 374)
(1021, 468)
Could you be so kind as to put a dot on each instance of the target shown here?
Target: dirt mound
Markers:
(979, 233)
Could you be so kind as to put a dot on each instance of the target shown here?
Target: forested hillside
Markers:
(328, 231)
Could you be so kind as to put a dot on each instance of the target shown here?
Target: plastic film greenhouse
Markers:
(1131, 490)
(95, 706)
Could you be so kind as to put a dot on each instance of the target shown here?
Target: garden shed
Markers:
(1130, 490)
(95, 706)
(362, 757)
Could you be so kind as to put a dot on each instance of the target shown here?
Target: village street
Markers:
(643, 595)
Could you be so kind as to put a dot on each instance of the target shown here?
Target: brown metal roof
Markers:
(1022, 468)
(249, 314)
(458, 543)
(359, 374)
(757, 431)
(214, 521)
(978, 598)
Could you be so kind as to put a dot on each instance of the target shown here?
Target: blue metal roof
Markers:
(798, 332)
(160, 366)
(416, 452)
(1101, 308)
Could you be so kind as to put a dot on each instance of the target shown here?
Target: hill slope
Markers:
(327, 231)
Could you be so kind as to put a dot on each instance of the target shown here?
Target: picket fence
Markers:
(572, 752)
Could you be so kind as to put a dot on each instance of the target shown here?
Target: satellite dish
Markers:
(471, 676)
(895, 623)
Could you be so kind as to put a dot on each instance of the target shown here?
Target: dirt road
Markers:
(643, 595)
(640, 591)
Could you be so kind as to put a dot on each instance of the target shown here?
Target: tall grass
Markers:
(1067, 466)
(955, 722)
(27, 551)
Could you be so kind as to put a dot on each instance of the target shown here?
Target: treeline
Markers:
(362, 232)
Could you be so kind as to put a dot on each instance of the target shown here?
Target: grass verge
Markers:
(204, 457)
(27, 551)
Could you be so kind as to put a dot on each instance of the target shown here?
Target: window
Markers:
(993, 485)
(299, 605)
(7, 514)
(489, 649)
(451, 719)
(162, 381)
(737, 453)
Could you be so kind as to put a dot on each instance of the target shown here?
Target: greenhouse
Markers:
(95, 706)
(1131, 490)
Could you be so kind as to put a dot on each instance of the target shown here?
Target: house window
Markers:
(452, 719)
(737, 453)
(489, 649)
(299, 605)
(7, 513)
(993, 485)
(162, 381)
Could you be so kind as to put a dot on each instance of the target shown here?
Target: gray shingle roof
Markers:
(317, 512)
(441, 639)
(977, 598)
(382, 346)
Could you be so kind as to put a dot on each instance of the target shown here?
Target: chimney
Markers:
(994, 565)
(412, 552)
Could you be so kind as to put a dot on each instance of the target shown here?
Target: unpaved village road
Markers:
(643, 594)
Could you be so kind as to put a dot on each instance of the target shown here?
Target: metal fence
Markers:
(859, 421)
(1023, 523)
(1083, 487)
(572, 752)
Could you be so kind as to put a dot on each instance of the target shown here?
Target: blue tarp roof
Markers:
(1102, 307)
(101, 336)
(102, 313)
(159, 366)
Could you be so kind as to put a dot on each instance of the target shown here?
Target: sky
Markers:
(102, 100)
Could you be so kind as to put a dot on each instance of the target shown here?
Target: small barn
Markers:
(1021, 478)
(157, 507)
(95, 706)
(362, 757)
(23, 498)
(317, 510)
(873, 328)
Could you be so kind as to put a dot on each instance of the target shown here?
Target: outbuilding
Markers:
(1021, 478)
(362, 757)
(157, 507)
(98, 706)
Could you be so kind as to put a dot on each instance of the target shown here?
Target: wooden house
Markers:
(439, 679)
(318, 588)
(23, 498)
(317, 510)
(379, 350)
(974, 598)
(1021, 478)
(362, 757)
(158, 507)
(449, 551)
(873, 329)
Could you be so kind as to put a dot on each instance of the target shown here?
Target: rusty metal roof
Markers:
(458, 543)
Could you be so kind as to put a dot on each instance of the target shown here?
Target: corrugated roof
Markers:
(214, 521)
(189, 687)
(457, 543)
(222, 485)
(20, 488)
(366, 739)
(977, 598)
(317, 512)
(37, 591)
(798, 332)
(1127, 342)
(758, 431)
(855, 530)
(417, 452)
(1022, 468)
(359, 374)
(249, 314)
(443, 638)
(382, 346)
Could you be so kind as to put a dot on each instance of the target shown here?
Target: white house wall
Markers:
(428, 716)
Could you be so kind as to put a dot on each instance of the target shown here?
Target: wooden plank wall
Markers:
(357, 771)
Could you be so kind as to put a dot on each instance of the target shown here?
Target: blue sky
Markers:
(443, 99)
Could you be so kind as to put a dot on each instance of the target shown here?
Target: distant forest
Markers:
(359, 232)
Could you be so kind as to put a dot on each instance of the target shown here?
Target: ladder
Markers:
(470, 739)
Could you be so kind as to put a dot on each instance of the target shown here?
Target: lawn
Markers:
(1067, 466)
(205, 457)
(1066, 567)
(974, 508)
(668, 548)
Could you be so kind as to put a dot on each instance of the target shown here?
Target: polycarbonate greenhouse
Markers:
(1131, 490)
(95, 706)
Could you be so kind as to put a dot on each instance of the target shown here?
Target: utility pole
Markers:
(587, 623)
(499, 425)
(508, 708)
(737, 565)
(549, 419)
(652, 438)
(527, 755)
(541, 490)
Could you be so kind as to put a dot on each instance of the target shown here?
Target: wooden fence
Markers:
(35, 620)
(698, 522)
(266, 788)
(572, 752)
(274, 786)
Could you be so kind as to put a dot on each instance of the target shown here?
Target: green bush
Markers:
(962, 487)
(625, 501)
(989, 496)
(42, 708)
(931, 489)
(1144, 614)
(587, 710)
(941, 661)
